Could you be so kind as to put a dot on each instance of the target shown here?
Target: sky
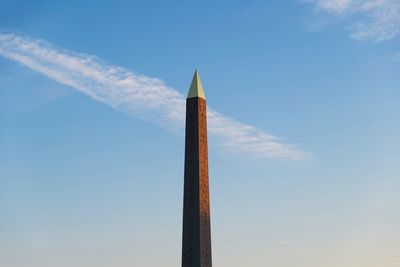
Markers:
(304, 149)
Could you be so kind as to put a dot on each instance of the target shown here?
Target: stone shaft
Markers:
(196, 242)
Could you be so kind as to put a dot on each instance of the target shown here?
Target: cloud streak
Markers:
(376, 20)
(138, 95)
(397, 57)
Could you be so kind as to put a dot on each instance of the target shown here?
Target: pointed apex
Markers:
(196, 88)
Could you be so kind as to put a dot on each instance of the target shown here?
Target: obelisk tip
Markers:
(196, 88)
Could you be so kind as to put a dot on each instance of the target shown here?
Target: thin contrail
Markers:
(137, 94)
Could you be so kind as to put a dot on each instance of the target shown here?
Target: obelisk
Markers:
(196, 240)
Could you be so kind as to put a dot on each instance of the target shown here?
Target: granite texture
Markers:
(196, 241)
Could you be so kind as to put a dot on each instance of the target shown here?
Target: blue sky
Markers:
(304, 134)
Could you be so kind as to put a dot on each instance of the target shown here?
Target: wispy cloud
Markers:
(376, 20)
(397, 57)
(336, 6)
(139, 95)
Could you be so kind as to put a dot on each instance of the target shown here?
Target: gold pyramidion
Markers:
(196, 88)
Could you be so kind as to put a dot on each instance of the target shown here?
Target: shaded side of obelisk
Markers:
(196, 241)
